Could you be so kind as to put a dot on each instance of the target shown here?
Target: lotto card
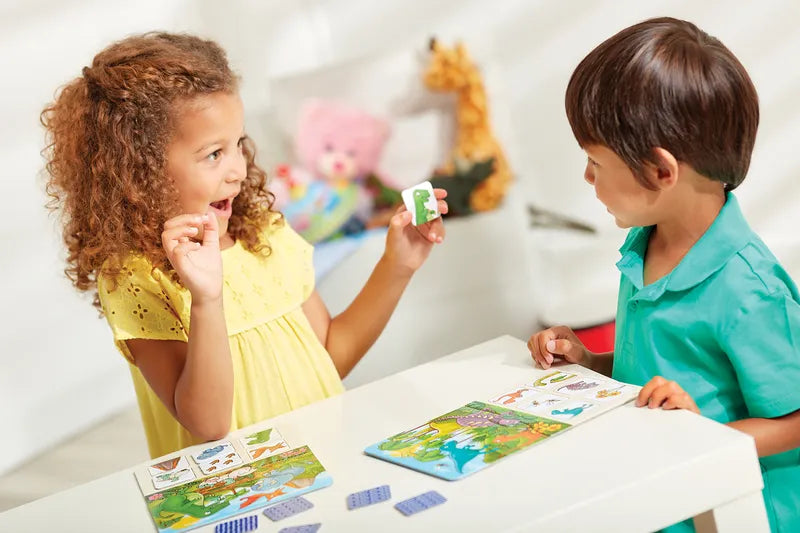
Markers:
(421, 202)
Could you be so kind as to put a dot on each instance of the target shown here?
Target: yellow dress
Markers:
(279, 363)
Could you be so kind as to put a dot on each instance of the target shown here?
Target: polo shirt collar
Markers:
(726, 236)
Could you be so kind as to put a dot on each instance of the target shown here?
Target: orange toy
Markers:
(452, 70)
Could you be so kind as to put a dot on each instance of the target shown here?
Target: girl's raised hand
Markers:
(199, 264)
(407, 246)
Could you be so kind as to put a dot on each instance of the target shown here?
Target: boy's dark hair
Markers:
(666, 83)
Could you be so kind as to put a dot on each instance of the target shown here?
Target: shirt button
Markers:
(634, 305)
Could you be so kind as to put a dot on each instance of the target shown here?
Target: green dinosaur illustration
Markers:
(259, 438)
(423, 214)
(190, 503)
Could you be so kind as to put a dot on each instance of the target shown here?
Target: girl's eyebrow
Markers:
(208, 145)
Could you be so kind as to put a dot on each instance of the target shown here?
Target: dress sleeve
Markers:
(763, 345)
(143, 304)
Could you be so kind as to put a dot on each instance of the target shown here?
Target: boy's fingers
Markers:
(658, 396)
(647, 390)
(533, 346)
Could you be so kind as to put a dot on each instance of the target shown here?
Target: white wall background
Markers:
(59, 372)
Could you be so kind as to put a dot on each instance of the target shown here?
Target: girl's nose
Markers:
(238, 170)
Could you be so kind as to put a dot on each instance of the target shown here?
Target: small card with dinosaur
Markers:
(264, 443)
(421, 202)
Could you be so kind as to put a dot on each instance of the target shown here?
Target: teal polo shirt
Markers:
(725, 325)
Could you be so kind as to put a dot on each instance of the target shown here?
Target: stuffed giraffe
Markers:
(452, 70)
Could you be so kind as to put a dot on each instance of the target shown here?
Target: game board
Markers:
(478, 434)
(226, 479)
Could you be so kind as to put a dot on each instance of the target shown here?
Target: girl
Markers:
(208, 292)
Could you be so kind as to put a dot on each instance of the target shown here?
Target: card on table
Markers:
(306, 528)
(420, 503)
(221, 456)
(369, 497)
(240, 525)
(168, 465)
(264, 443)
(288, 508)
(172, 478)
(421, 202)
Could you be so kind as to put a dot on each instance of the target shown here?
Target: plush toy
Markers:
(337, 188)
(477, 170)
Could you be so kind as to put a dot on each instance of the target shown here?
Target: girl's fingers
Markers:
(435, 230)
(440, 193)
(443, 207)
(184, 220)
(400, 219)
(180, 251)
(178, 233)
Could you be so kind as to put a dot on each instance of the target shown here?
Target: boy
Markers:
(668, 117)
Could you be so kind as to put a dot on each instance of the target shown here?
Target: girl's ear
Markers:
(666, 168)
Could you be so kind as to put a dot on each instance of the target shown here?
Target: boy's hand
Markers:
(665, 394)
(558, 341)
(199, 264)
(407, 246)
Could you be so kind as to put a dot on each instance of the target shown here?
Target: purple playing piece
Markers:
(368, 497)
(420, 503)
(288, 508)
(240, 525)
(308, 528)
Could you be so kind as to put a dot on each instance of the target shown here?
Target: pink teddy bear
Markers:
(338, 145)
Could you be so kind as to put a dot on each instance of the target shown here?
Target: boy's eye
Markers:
(213, 156)
(592, 161)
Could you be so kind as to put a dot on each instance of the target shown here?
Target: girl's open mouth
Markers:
(223, 208)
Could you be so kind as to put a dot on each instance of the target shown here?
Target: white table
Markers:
(627, 470)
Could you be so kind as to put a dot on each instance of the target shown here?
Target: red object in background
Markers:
(597, 338)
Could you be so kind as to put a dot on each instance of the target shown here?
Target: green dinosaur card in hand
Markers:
(421, 202)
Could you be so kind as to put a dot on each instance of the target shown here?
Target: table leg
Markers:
(745, 514)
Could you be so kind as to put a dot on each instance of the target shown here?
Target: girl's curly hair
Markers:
(107, 133)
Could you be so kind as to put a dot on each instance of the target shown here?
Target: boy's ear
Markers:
(666, 169)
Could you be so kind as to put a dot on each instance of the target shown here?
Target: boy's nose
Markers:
(588, 175)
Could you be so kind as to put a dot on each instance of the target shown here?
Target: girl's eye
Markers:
(213, 156)
(592, 161)
(241, 141)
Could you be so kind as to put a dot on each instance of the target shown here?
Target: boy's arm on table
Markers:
(772, 435)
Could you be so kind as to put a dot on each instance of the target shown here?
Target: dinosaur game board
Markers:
(227, 478)
(476, 435)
